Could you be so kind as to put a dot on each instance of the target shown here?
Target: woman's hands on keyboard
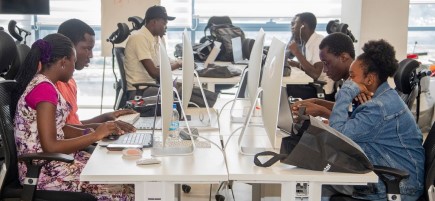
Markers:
(110, 116)
(126, 127)
(106, 129)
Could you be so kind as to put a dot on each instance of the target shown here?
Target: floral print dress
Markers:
(58, 175)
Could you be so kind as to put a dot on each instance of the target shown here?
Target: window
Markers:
(193, 14)
(421, 27)
(275, 20)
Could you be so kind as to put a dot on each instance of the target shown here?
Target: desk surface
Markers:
(206, 164)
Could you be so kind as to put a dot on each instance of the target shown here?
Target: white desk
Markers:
(206, 165)
(297, 76)
(241, 168)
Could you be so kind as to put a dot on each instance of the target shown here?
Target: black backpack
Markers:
(222, 30)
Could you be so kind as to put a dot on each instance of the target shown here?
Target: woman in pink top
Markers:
(40, 121)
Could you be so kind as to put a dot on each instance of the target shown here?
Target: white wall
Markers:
(378, 19)
(116, 11)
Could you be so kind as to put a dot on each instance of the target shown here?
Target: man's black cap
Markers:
(157, 12)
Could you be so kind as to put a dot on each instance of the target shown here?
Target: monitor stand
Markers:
(170, 147)
(250, 139)
(207, 123)
(239, 116)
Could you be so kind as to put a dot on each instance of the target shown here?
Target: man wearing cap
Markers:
(142, 52)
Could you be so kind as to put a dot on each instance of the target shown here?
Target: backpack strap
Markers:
(275, 158)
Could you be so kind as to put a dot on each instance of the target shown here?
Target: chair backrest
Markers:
(120, 56)
(247, 47)
(215, 20)
(8, 52)
(22, 51)
(7, 113)
(406, 80)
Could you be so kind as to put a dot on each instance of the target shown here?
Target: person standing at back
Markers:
(142, 57)
(83, 38)
(303, 29)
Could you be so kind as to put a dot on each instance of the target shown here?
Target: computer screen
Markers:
(270, 99)
(166, 92)
(25, 7)
(254, 66)
(237, 49)
(271, 84)
(188, 68)
(213, 54)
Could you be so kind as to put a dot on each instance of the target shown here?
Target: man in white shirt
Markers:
(309, 61)
(142, 58)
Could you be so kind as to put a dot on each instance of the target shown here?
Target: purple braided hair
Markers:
(45, 49)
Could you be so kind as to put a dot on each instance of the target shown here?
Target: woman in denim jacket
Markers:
(383, 126)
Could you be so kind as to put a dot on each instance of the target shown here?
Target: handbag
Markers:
(317, 146)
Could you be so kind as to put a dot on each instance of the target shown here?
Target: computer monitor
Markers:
(166, 92)
(167, 99)
(188, 80)
(271, 84)
(253, 77)
(213, 53)
(269, 92)
(285, 116)
(188, 64)
(254, 66)
(237, 49)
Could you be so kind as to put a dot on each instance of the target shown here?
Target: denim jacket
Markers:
(386, 131)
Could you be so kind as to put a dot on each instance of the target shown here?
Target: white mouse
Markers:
(147, 161)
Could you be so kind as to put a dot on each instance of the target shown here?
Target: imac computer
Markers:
(211, 57)
(253, 78)
(189, 74)
(269, 93)
(161, 147)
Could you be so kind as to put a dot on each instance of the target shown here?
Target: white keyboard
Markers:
(147, 123)
(183, 143)
(138, 138)
(129, 118)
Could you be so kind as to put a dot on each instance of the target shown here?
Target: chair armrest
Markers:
(137, 85)
(145, 84)
(390, 171)
(33, 170)
(46, 156)
(392, 184)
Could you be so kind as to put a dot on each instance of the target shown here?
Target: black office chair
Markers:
(247, 45)
(8, 52)
(119, 36)
(7, 57)
(11, 188)
(122, 95)
(22, 49)
(392, 183)
(406, 82)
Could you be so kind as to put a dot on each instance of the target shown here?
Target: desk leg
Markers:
(211, 87)
(315, 191)
(154, 191)
(288, 191)
(256, 192)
